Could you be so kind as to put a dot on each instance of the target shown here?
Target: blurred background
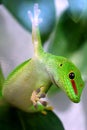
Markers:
(63, 32)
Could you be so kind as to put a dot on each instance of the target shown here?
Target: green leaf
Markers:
(0, 1)
(38, 121)
(69, 36)
(20, 8)
(9, 119)
(13, 119)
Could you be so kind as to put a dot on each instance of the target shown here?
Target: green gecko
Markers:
(25, 87)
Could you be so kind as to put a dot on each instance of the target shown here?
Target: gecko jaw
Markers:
(72, 96)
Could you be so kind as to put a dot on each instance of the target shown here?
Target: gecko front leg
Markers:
(36, 98)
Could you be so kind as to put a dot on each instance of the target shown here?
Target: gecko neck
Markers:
(38, 49)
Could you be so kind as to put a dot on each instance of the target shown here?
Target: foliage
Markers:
(13, 119)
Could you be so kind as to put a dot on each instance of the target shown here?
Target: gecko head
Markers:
(69, 79)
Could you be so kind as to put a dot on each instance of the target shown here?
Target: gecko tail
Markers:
(36, 39)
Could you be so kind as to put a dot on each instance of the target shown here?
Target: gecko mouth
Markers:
(75, 100)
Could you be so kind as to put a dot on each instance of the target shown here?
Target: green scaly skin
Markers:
(41, 71)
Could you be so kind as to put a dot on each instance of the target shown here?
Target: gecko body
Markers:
(25, 87)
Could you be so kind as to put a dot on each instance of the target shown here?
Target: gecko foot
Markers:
(36, 97)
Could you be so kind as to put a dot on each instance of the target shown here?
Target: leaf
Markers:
(19, 9)
(78, 9)
(38, 121)
(0, 1)
(13, 119)
(9, 119)
(69, 36)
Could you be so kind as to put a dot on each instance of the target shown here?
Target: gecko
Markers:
(27, 85)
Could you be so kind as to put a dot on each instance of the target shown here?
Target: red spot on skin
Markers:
(81, 85)
(74, 86)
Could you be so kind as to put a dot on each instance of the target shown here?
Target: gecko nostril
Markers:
(81, 85)
(61, 64)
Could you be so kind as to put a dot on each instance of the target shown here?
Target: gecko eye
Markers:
(71, 75)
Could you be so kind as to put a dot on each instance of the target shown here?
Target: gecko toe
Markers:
(43, 95)
(44, 103)
(38, 90)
